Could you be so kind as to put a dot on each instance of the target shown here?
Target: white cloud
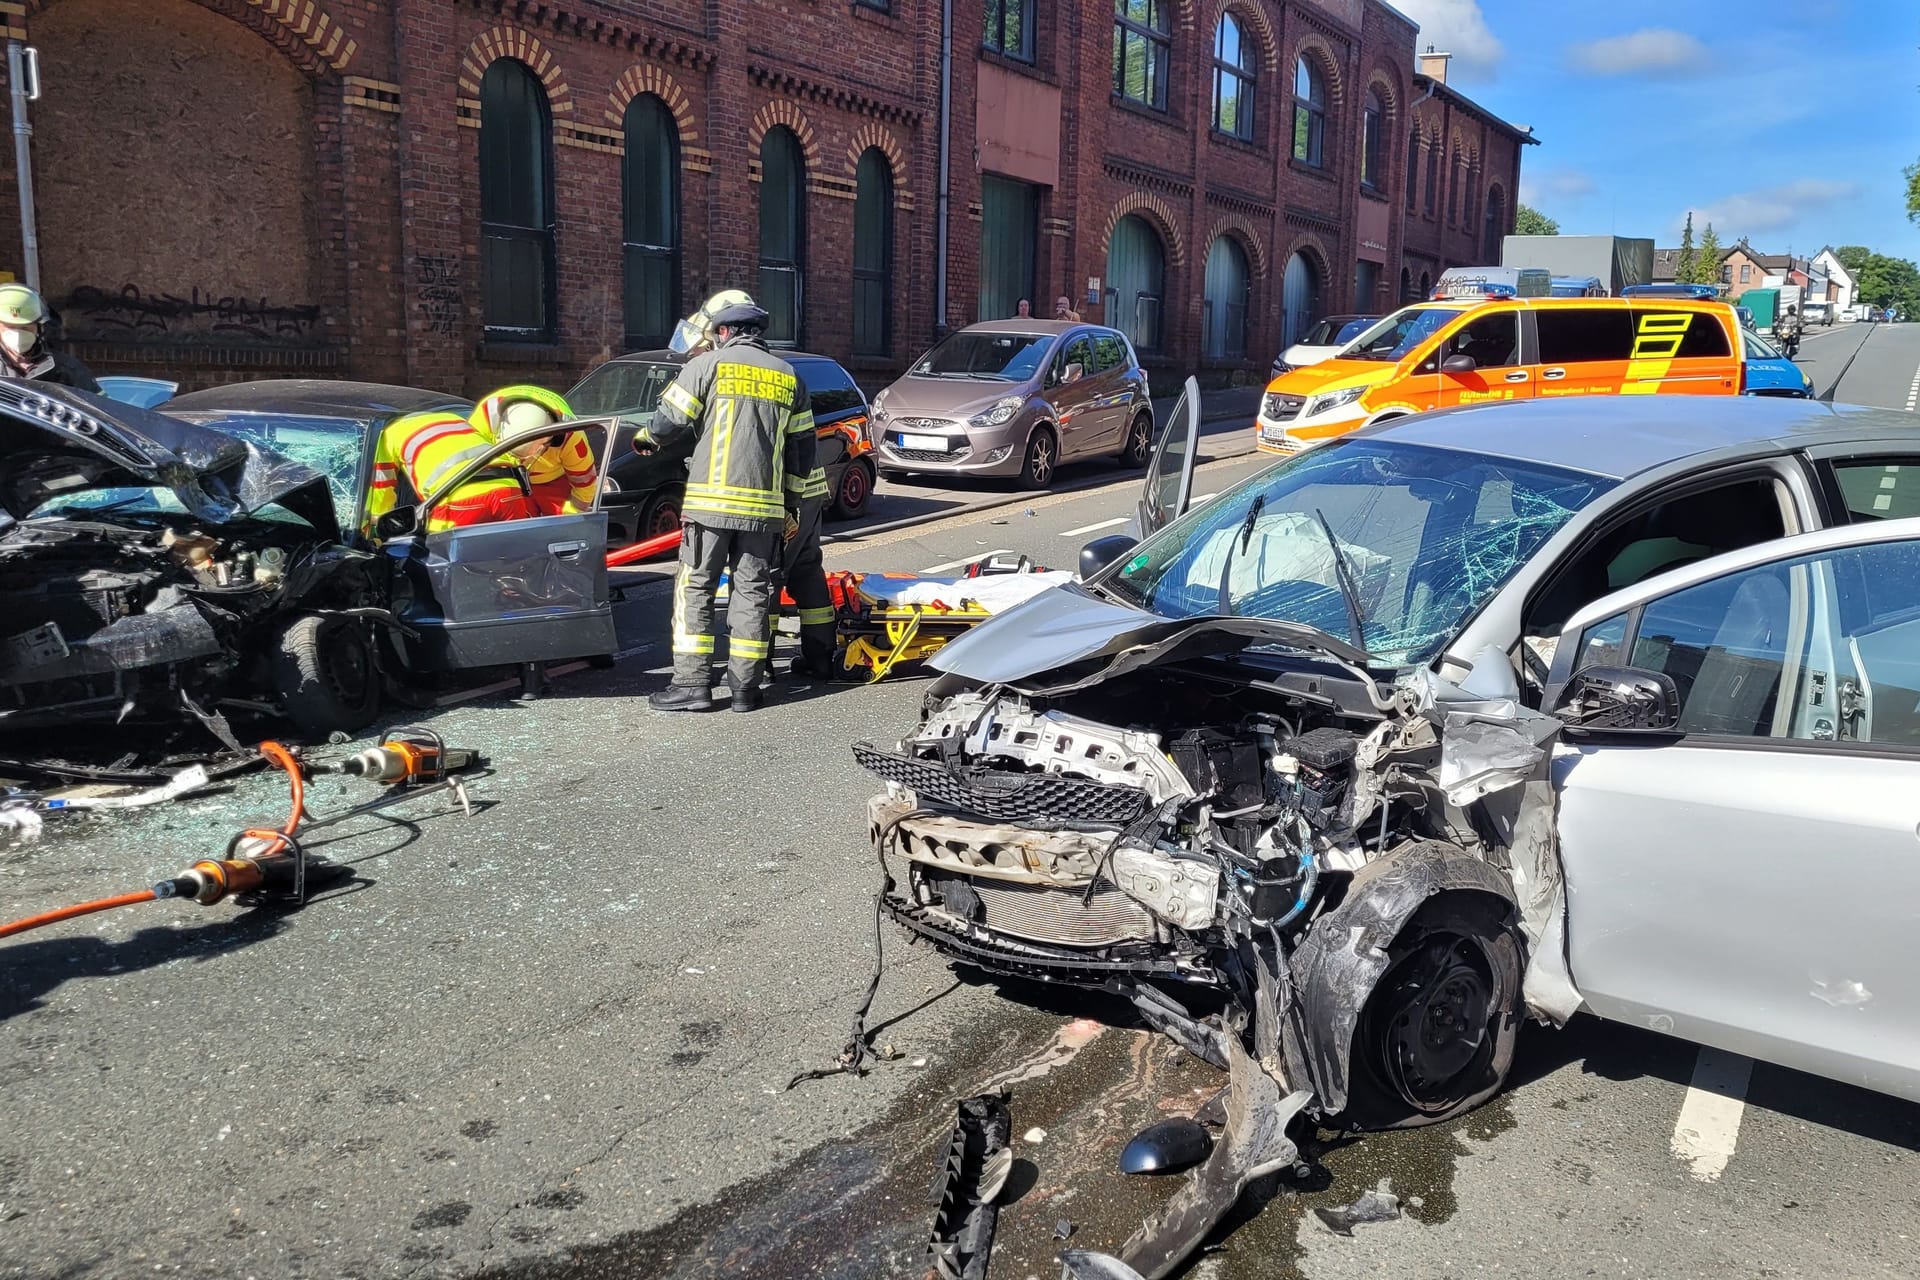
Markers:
(1651, 51)
(1457, 27)
(1749, 213)
(1553, 186)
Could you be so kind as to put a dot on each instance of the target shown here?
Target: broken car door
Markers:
(1169, 486)
(1741, 871)
(517, 591)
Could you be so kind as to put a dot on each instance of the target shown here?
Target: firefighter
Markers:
(23, 343)
(560, 469)
(752, 421)
(421, 451)
(805, 577)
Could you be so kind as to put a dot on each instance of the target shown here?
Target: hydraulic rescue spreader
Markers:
(273, 865)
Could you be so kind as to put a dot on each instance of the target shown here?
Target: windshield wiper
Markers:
(1241, 539)
(1355, 618)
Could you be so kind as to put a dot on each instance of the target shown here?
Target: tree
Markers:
(1528, 221)
(1683, 269)
(1880, 281)
(1913, 192)
(1706, 263)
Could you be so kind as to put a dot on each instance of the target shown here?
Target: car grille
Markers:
(928, 426)
(1003, 796)
(927, 455)
(1066, 917)
(1282, 408)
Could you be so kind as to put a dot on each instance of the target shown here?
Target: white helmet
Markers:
(696, 330)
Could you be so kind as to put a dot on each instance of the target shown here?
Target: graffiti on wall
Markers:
(436, 279)
(144, 315)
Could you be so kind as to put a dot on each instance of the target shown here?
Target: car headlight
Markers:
(1000, 413)
(878, 409)
(1332, 400)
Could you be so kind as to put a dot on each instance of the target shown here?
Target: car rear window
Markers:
(831, 387)
(1583, 335)
(622, 386)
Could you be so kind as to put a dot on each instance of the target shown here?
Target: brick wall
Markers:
(364, 201)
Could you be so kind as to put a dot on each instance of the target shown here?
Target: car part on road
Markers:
(1166, 1147)
(1372, 1206)
(973, 1169)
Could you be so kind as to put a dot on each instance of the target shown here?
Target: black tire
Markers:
(661, 514)
(1436, 1037)
(1139, 446)
(855, 490)
(324, 671)
(1041, 460)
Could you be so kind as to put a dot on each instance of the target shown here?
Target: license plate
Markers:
(937, 444)
(1273, 435)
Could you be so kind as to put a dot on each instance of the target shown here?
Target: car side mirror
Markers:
(1073, 372)
(397, 523)
(1459, 364)
(1606, 698)
(1101, 552)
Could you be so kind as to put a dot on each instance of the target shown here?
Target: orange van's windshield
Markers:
(1399, 333)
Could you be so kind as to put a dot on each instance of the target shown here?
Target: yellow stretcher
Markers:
(885, 619)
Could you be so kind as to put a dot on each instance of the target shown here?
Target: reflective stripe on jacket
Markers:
(570, 461)
(753, 422)
(423, 450)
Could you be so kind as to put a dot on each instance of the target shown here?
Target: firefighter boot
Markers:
(682, 697)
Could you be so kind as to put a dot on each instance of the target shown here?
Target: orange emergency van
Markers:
(1485, 347)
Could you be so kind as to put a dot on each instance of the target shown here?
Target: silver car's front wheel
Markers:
(1043, 454)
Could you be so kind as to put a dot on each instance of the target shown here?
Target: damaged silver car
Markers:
(1327, 754)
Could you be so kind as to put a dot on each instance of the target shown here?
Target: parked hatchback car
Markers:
(1016, 398)
(645, 501)
(1526, 707)
(1322, 341)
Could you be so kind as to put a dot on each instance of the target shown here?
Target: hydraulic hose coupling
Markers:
(211, 880)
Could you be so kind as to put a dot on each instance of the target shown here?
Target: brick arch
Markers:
(871, 135)
(781, 111)
(1159, 214)
(1382, 80)
(1255, 17)
(305, 32)
(522, 46)
(636, 81)
(1312, 46)
(1316, 250)
(1238, 228)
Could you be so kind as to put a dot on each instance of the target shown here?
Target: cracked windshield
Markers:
(1102, 639)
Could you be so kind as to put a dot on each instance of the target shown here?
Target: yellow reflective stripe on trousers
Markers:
(678, 397)
(683, 640)
(739, 647)
(815, 617)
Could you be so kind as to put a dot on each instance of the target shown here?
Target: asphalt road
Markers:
(553, 1038)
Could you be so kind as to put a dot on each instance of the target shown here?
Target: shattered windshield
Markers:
(625, 387)
(331, 446)
(1399, 543)
(1399, 333)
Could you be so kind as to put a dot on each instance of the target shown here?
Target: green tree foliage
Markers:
(1706, 263)
(1880, 281)
(1528, 221)
(1913, 192)
(1684, 268)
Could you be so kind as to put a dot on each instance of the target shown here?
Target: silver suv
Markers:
(1016, 398)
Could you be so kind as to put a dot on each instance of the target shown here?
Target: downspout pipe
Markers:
(942, 199)
(22, 63)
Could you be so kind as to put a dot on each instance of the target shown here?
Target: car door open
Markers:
(1168, 490)
(515, 591)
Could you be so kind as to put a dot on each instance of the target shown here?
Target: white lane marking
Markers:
(1709, 1124)
(1098, 524)
(966, 560)
(1913, 391)
(1199, 498)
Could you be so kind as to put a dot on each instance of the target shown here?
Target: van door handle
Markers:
(1518, 375)
(1551, 374)
(566, 550)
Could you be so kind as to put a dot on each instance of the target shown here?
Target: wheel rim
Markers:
(1137, 447)
(665, 519)
(349, 669)
(1040, 459)
(853, 487)
(1430, 1022)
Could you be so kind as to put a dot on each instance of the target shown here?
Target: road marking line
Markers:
(1709, 1124)
(1199, 498)
(956, 564)
(1098, 524)
(1913, 392)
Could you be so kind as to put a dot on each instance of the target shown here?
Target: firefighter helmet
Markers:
(697, 329)
(21, 306)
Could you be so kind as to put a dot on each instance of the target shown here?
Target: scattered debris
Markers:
(1167, 1147)
(1034, 1136)
(190, 779)
(1062, 1230)
(1085, 1264)
(1372, 1206)
(972, 1172)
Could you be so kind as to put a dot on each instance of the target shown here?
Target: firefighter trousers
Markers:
(748, 561)
(805, 579)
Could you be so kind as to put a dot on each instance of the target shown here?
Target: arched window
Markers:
(1458, 189)
(516, 204)
(1472, 205)
(1406, 285)
(1413, 169)
(1426, 284)
(650, 217)
(783, 233)
(1232, 80)
(1309, 113)
(1496, 223)
(1433, 175)
(1373, 124)
(1136, 282)
(1299, 299)
(1142, 48)
(872, 254)
(1226, 300)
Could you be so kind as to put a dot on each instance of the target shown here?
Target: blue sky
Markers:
(1787, 121)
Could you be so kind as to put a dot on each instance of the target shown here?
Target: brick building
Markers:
(458, 193)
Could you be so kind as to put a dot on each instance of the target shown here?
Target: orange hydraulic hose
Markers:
(81, 909)
(279, 755)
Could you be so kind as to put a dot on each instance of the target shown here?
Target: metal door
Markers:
(1168, 490)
